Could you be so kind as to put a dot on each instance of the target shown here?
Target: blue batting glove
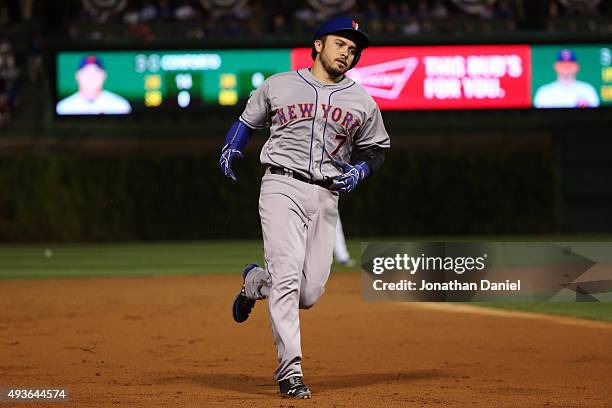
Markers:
(351, 176)
(225, 162)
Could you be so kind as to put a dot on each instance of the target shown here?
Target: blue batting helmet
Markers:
(90, 59)
(343, 26)
(566, 55)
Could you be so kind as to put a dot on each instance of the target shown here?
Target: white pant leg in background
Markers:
(341, 254)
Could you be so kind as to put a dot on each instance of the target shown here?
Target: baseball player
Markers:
(91, 98)
(317, 117)
(566, 91)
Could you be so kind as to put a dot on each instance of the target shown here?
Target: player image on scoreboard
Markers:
(91, 97)
(566, 91)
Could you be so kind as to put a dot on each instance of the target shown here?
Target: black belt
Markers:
(325, 183)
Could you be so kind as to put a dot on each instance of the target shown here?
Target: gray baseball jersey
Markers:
(312, 123)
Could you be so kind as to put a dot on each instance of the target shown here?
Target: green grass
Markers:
(194, 258)
(587, 310)
(131, 259)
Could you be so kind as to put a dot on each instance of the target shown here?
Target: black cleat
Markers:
(293, 387)
(242, 304)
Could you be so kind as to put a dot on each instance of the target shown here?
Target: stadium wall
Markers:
(433, 185)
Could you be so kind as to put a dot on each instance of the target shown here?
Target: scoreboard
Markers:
(398, 78)
(175, 80)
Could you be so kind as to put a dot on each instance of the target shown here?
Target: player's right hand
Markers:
(225, 161)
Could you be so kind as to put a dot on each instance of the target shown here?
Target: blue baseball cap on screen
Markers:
(566, 55)
(90, 59)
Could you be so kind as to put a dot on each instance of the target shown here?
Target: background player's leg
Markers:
(319, 249)
(341, 253)
(283, 223)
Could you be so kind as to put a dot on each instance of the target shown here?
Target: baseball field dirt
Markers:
(171, 341)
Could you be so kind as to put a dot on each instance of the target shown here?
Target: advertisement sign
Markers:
(441, 77)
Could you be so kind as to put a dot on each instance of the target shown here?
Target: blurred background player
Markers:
(92, 98)
(566, 91)
(341, 253)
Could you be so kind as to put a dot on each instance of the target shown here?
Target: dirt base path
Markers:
(171, 341)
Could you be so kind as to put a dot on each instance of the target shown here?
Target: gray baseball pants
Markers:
(298, 221)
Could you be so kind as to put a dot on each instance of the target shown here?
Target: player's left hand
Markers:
(350, 177)
(225, 161)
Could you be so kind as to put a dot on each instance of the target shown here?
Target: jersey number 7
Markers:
(342, 141)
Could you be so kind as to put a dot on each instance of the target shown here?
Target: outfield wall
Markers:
(480, 184)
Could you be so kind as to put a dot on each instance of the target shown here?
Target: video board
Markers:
(122, 82)
(398, 78)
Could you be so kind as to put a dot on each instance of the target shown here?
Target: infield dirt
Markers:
(171, 341)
